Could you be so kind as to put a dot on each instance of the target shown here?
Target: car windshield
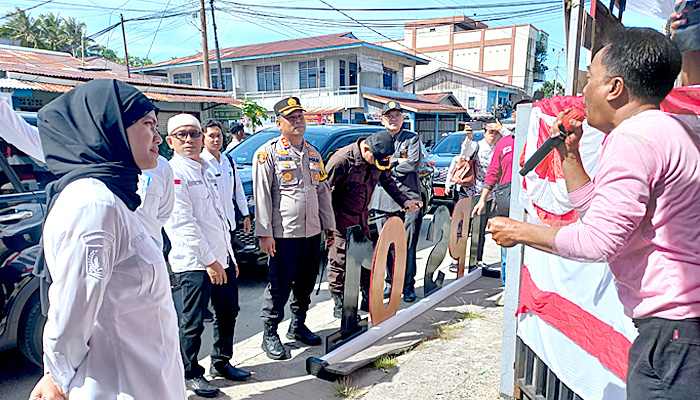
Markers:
(450, 144)
(244, 152)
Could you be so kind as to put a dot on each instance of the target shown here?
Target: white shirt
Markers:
(111, 331)
(197, 227)
(155, 187)
(234, 142)
(225, 176)
(484, 153)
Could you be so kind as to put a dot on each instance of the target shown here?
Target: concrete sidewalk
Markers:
(463, 363)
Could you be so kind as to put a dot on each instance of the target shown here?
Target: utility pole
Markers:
(126, 53)
(556, 70)
(222, 82)
(205, 47)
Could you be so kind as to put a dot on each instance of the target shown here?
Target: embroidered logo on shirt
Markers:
(98, 247)
(283, 152)
(316, 176)
(177, 181)
(262, 156)
(312, 154)
(287, 176)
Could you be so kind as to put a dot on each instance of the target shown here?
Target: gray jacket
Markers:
(405, 174)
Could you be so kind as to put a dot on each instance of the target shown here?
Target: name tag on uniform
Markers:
(284, 158)
(194, 183)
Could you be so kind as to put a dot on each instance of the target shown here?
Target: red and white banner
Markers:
(569, 312)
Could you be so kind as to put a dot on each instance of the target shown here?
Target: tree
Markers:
(255, 113)
(540, 56)
(51, 31)
(72, 36)
(549, 89)
(23, 28)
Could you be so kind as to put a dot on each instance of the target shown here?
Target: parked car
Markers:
(440, 157)
(22, 198)
(327, 139)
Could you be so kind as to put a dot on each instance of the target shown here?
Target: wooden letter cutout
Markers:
(439, 229)
(458, 244)
(394, 233)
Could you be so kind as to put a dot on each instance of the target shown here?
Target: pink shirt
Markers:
(641, 215)
(499, 171)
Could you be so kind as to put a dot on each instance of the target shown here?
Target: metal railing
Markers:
(321, 91)
(535, 381)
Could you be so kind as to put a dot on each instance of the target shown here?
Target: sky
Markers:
(237, 24)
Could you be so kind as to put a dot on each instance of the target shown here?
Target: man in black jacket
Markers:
(353, 173)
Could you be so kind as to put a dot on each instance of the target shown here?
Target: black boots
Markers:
(271, 343)
(337, 304)
(299, 331)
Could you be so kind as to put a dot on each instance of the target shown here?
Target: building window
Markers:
(312, 74)
(352, 70)
(472, 103)
(228, 78)
(342, 73)
(390, 79)
(268, 78)
(183, 79)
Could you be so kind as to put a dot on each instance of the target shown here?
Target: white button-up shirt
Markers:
(197, 227)
(111, 331)
(225, 177)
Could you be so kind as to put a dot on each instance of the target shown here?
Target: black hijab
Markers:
(83, 134)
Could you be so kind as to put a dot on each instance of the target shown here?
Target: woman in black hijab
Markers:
(111, 330)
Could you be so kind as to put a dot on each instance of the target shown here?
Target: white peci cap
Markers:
(181, 120)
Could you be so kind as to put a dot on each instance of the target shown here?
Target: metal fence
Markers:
(535, 381)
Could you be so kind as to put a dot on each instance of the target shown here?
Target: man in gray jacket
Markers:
(405, 163)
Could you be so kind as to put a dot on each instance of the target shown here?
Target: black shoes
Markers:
(272, 344)
(201, 387)
(299, 331)
(409, 294)
(229, 372)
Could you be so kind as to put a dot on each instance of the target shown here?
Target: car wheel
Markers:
(31, 330)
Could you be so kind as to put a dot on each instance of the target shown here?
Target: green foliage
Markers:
(549, 89)
(255, 113)
(540, 56)
(385, 362)
(53, 32)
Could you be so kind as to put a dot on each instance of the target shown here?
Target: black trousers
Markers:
(197, 291)
(293, 269)
(664, 360)
(412, 222)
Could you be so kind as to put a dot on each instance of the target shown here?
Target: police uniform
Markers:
(292, 206)
(405, 174)
(352, 181)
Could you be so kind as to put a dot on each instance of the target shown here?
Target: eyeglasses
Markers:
(393, 117)
(182, 135)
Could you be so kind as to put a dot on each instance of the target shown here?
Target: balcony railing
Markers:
(342, 96)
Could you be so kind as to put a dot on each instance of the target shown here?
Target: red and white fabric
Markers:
(569, 312)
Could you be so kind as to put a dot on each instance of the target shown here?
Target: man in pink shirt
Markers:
(640, 212)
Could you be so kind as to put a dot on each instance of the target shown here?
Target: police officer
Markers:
(292, 208)
(353, 173)
(405, 163)
(201, 250)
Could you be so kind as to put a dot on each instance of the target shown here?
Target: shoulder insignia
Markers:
(262, 157)
(323, 175)
(285, 142)
(306, 144)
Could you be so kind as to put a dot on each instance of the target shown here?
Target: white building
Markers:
(505, 54)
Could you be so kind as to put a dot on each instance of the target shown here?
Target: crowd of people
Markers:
(112, 327)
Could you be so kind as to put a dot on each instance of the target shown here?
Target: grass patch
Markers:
(448, 330)
(467, 316)
(345, 388)
(385, 362)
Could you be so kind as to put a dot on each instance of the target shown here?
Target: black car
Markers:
(327, 139)
(439, 158)
(22, 197)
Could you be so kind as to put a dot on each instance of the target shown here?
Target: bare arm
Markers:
(508, 232)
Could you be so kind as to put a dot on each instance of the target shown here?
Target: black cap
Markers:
(381, 144)
(287, 105)
(392, 105)
(524, 100)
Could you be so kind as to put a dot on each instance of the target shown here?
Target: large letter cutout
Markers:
(439, 229)
(458, 243)
(394, 233)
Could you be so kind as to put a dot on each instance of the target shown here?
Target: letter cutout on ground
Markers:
(394, 233)
(439, 229)
(458, 240)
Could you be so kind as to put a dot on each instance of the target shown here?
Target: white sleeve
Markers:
(81, 265)
(165, 208)
(239, 193)
(450, 171)
(16, 131)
